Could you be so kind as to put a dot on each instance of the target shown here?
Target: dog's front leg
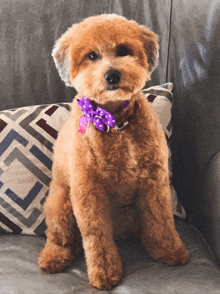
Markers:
(63, 237)
(92, 212)
(158, 228)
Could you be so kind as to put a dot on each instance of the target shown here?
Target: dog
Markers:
(110, 170)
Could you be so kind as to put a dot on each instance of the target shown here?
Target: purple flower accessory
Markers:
(99, 117)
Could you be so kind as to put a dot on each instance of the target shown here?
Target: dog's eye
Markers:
(93, 56)
(123, 51)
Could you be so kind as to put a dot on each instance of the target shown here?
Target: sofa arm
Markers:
(210, 208)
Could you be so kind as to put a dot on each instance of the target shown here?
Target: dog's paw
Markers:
(179, 256)
(106, 278)
(106, 274)
(54, 258)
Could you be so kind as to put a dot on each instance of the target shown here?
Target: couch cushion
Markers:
(20, 273)
(27, 136)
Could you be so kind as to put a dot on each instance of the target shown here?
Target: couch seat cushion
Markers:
(20, 273)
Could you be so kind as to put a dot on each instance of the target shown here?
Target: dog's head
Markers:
(106, 57)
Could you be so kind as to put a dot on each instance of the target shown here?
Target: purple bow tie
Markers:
(99, 117)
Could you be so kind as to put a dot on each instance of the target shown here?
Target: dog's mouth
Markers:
(113, 87)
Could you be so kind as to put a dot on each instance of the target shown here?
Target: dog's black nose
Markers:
(112, 77)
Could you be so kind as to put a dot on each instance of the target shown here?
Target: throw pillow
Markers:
(27, 136)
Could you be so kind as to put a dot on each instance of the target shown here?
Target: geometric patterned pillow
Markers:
(27, 136)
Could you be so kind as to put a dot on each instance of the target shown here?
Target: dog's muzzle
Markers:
(112, 78)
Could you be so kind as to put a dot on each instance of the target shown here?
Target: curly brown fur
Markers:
(109, 184)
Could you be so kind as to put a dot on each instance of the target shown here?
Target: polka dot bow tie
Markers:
(99, 117)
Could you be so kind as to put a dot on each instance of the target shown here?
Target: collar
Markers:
(127, 119)
(104, 120)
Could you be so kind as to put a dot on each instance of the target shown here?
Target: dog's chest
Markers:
(118, 162)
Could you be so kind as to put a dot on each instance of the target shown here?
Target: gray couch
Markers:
(190, 59)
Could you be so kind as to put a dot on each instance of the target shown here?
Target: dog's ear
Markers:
(61, 58)
(151, 46)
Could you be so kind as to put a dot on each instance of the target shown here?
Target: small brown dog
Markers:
(110, 171)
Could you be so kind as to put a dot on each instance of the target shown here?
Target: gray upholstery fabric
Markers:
(210, 207)
(30, 28)
(20, 274)
(194, 63)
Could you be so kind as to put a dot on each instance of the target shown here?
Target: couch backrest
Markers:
(194, 68)
(30, 28)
